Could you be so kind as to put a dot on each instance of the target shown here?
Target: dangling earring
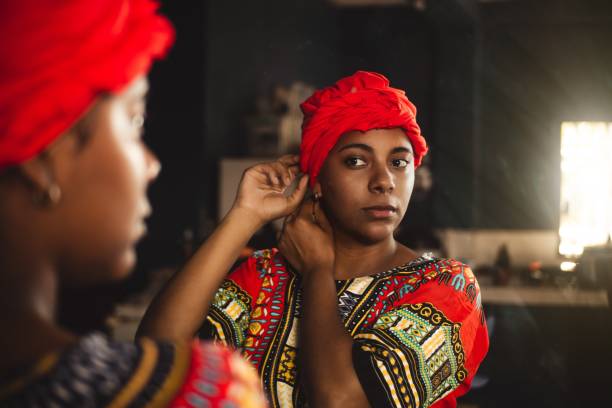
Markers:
(315, 199)
(50, 197)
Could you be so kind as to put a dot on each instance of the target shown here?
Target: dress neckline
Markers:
(418, 261)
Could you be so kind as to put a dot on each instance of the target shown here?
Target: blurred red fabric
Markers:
(56, 57)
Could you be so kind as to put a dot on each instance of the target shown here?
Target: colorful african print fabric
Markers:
(418, 330)
(99, 372)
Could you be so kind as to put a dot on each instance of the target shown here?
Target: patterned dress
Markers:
(418, 330)
(99, 372)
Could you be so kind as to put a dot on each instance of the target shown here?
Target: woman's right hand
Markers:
(262, 189)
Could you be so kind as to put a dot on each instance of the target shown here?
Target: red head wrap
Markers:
(56, 57)
(362, 101)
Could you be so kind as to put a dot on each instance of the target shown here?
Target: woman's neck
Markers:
(355, 259)
(28, 299)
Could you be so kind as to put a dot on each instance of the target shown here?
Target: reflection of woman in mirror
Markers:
(341, 314)
(73, 177)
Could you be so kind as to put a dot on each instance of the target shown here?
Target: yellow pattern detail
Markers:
(44, 365)
(254, 328)
(140, 377)
(287, 369)
(175, 378)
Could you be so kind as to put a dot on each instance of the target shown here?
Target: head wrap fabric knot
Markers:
(361, 102)
(58, 56)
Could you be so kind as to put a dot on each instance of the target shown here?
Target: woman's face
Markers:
(366, 183)
(103, 180)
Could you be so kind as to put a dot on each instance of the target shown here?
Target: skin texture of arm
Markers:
(179, 309)
(325, 345)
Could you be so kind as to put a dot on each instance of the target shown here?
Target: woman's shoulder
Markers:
(430, 263)
(98, 371)
(93, 370)
(437, 265)
(434, 278)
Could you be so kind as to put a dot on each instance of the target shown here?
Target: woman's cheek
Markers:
(137, 160)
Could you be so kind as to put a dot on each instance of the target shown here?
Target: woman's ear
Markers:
(42, 173)
(37, 171)
(38, 174)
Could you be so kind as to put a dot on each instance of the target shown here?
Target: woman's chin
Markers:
(376, 233)
(124, 266)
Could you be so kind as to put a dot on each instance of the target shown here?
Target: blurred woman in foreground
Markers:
(74, 171)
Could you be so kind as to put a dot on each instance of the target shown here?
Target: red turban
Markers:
(58, 56)
(362, 101)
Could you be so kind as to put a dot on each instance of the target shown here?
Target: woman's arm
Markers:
(331, 379)
(325, 346)
(178, 311)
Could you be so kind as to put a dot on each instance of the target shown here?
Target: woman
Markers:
(343, 315)
(73, 178)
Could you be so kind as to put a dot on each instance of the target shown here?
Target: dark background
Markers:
(492, 81)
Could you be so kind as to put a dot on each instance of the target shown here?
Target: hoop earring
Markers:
(50, 197)
(313, 214)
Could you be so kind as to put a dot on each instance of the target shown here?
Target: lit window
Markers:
(586, 186)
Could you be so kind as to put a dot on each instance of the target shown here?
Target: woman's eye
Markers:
(399, 163)
(355, 162)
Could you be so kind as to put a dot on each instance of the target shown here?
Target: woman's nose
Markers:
(382, 180)
(153, 165)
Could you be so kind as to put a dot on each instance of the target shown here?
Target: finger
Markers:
(292, 165)
(289, 159)
(298, 194)
(271, 174)
(283, 173)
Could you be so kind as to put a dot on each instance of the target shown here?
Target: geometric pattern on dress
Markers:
(417, 353)
(287, 370)
(100, 372)
(428, 370)
(89, 374)
(346, 303)
(231, 305)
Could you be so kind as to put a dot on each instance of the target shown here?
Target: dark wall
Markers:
(543, 62)
(252, 47)
(175, 132)
(491, 83)
(455, 134)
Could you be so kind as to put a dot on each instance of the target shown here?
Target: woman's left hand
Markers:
(307, 241)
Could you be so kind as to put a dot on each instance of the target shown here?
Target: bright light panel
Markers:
(586, 186)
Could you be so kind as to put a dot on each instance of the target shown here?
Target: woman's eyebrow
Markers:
(357, 146)
(401, 149)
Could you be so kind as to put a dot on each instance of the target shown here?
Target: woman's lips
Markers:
(381, 211)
